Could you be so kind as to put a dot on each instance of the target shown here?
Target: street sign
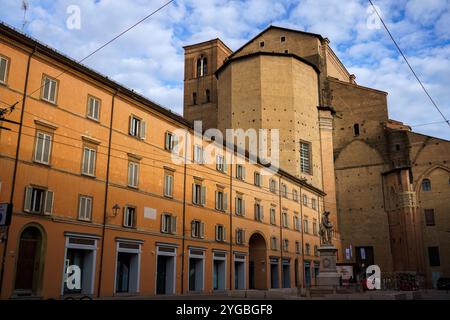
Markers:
(5, 214)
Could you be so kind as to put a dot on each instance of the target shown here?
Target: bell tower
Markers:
(201, 61)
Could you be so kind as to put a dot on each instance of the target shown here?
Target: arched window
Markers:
(426, 185)
(202, 64)
(356, 129)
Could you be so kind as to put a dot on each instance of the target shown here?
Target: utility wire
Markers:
(410, 67)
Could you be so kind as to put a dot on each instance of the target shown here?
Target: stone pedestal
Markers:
(328, 275)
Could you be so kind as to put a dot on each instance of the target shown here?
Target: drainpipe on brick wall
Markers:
(16, 162)
(231, 223)
(184, 210)
(303, 246)
(281, 234)
(105, 210)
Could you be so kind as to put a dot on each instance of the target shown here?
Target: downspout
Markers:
(105, 211)
(281, 233)
(16, 162)
(303, 246)
(231, 225)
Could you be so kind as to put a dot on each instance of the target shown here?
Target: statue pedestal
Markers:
(328, 275)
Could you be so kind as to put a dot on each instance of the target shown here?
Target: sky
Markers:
(149, 58)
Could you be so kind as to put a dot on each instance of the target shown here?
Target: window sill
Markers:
(42, 163)
(168, 197)
(87, 175)
(84, 220)
(129, 227)
(133, 187)
(55, 104)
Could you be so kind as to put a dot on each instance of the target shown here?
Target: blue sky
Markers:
(150, 60)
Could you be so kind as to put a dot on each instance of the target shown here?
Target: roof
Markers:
(263, 53)
(278, 28)
(37, 46)
(207, 41)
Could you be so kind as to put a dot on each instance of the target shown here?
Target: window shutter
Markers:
(167, 145)
(261, 209)
(136, 174)
(130, 129)
(225, 166)
(28, 195)
(256, 212)
(130, 173)
(217, 200)
(243, 236)
(48, 202)
(170, 185)
(202, 230)
(224, 235)
(225, 202)
(236, 205)
(203, 195)
(46, 151)
(173, 224)
(174, 141)
(217, 232)
(193, 229)
(143, 130)
(194, 194)
(39, 146)
(217, 162)
(125, 216)
(243, 207)
(89, 208)
(163, 223)
(82, 210)
(53, 90)
(243, 172)
(92, 162)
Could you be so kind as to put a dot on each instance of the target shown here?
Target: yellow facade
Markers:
(86, 142)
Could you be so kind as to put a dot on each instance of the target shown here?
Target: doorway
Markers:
(219, 270)
(29, 266)
(257, 261)
(307, 273)
(128, 267)
(286, 273)
(239, 271)
(274, 282)
(165, 270)
(196, 269)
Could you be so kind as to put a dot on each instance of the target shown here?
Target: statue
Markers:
(326, 229)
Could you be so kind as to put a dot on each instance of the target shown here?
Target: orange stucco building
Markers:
(98, 190)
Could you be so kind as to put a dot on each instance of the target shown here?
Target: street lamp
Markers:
(115, 209)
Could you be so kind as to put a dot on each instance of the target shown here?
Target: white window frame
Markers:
(85, 205)
(285, 219)
(240, 206)
(93, 108)
(133, 174)
(168, 223)
(89, 155)
(221, 200)
(274, 243)
(272, 186)
(259, 212)
(273, 214)
(168, 185)
(240, 172)
(305, 157)
(4, 77)
(46, 201)
(257, 179)
(220, 233)
(197, 229)
(137, 127)
(199, 154)
(240, 236)
(198, 194)
(126, 214)
(170, 141)
(46, 139)
(53, 84)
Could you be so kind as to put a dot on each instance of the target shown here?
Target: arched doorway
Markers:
(257, 262)
(28, 267)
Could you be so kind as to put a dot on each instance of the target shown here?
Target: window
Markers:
(220, 233)
(295, 195)
(168, 223)
(240, 172)
(199, 154)
(207, 96)
(138, 127)
(313, 203)
(315, 227)
(272, 216)
(49, 89)
(197, 229)
(296, 223)
(285, 221)
(38, 200)
(286, 245)
(283, 39)
(356, 129)
(202, 65)
(305, 226)
(426, 185)
(85, 208)
(93, 111)
(221, 201)
(3, 69)
(316, 250)
(43, 146)
(307, 249)
(257, 178)
(170, 141)
(272, 186)
(240, 206)
(305, 200)
(297, 247)
(286, 51)
(88, 166)
(433, 256)
(129, 217)
(261, 44)
(220, 163)
(305, 157)
(198, 194)
(273, 243)
(133, 174)
(194, 97)
(429, 217)
(259, 214)
(168, 185)
(284, 190)
(240, 236)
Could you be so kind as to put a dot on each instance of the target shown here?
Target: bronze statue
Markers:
(326, 229)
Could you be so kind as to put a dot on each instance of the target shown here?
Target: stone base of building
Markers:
(328, 276)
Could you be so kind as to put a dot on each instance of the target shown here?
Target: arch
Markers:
(30, 259)
(257, 261)
(202, 66)
(358, 152)
(426, 173)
